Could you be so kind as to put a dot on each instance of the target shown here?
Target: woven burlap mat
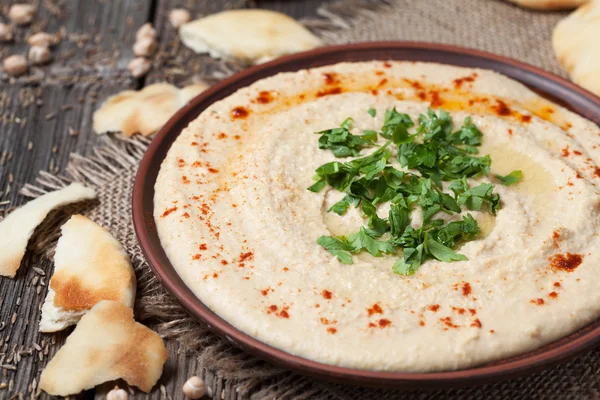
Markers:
(490, 25)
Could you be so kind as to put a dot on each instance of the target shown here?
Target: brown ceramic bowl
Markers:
(548, 85)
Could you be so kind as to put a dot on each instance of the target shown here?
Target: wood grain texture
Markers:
(95, 36)
(37, 114)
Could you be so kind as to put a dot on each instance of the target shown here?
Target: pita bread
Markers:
(575, 42)
(549, 4)
(144, 111)
(18, 226)
(106, 345)
(252, 36)
(90, 265)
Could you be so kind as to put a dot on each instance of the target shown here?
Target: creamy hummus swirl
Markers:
(238, 224)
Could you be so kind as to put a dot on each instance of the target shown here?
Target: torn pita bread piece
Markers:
(549, 4)
(106, 345)
(144, 111)
(18, 226)
(90, 265)
(576, 45)
(251, 36)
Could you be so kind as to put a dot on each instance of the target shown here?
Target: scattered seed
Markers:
(50, 116)
(19, 300)
(41, 39)
(41, 356)
(38, 289)
(6, 33)
(54, 149)
(39, 271)
(39, 55)
(73, 132)
(35, 279)
(29, 146)
(9, 367)
(11, 383)
(3, 385)
(21, 14)
(15, 65)
(37, 346)
(13, 319)
(178, 17)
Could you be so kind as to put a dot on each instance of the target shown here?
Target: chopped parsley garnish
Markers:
(438, 153)
(372, 112)
(510, 179)
(343, 143)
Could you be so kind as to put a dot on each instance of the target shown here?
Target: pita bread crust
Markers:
(145, 111)
(575, 43)
(106, 345)
(549, 4)
(248, 35)
(90, 266)
(18, 226)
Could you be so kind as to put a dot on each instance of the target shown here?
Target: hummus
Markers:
(236, 220)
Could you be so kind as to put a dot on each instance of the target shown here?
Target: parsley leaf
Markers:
(341, 206)
(443, 253)
(410, 261)
(395, 127)
(468, 134)
(474, 198)
(343, 143)
(338, 246)
(372, 112)
(361, 240)
(317, 186)
(510, 179)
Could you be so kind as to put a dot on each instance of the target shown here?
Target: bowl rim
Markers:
(551, 354)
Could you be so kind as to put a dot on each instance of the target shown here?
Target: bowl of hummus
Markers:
(390, 213)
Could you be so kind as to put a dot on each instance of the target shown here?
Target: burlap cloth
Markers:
(491, 25)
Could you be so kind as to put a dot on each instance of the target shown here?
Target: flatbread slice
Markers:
(106, 345)
(252, 36)
(576, 45)
(549, 4)
(90, 265)
(144, 111)
(18, 226)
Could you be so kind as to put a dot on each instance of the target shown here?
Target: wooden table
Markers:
(47, 115)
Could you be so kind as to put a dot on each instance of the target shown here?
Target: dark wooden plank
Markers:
(34, 136)
(97, 36)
